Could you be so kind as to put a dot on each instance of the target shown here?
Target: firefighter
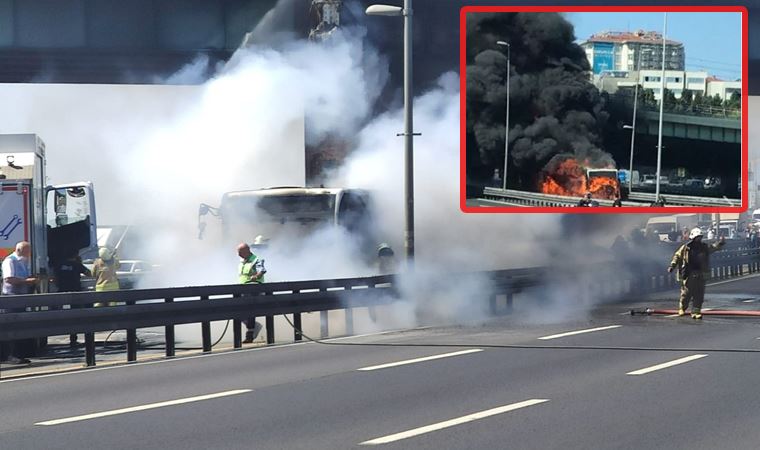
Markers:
(386, 260)
(692, 260)
(586, 201)
(104, 271)
(250, 271)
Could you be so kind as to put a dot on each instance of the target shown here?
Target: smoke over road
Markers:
(555, 113)
(153, 162)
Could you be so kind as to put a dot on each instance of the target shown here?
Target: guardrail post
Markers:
(131, 345)
(298, 332)
(206, 336)
(131, 341)
(349, 321)
(324, 330)
(169, 334)
(270, 329)
(237, 335)
(89, 349)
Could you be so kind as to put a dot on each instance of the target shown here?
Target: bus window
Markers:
(352, 212)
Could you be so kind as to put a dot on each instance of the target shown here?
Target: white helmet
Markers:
(260, 241)
(695, 232)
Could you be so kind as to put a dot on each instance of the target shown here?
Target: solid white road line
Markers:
(416, 360)
(666, 365)
(452, 422)
(143, 407)
(573, 333)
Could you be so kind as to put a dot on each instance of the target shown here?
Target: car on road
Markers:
(129, 273)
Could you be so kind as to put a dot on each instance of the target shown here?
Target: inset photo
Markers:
(604, 109)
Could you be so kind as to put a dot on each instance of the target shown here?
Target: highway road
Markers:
(602, 379)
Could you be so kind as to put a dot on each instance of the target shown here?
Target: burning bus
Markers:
(571, 179)
(289, 214)
(603, 183)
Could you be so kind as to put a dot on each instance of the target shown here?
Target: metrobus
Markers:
(293, 213)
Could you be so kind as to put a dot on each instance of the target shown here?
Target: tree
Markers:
(669, 99)
(735, 101)
(647, 98)
(687, 97)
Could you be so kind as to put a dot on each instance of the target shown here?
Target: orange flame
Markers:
(604, 187)
(569, 179)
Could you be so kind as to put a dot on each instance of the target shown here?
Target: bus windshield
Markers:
(295, 207)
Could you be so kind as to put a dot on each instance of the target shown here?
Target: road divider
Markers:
(423, 359)
(450, 423)
(573, 333)
(666, 365)
(142, 407)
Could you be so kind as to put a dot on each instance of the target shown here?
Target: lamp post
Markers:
(632, 127)
(662, 104)
(406, 13)
(506, 137)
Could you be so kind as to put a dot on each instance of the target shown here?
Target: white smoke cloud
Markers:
(446, 238)
(155, 152)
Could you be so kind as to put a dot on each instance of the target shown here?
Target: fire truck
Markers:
(57, 220)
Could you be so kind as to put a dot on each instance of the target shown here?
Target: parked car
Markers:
(129, 272)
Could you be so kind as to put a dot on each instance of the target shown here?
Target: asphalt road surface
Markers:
(594, 378)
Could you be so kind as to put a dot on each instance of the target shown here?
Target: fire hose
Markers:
(709, 312)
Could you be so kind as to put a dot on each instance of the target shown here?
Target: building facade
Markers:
(723, 89)
(676, 81)
(639, 50)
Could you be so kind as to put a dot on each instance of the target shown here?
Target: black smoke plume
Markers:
(554, 108)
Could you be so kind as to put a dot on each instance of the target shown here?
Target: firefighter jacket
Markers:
(104, 273)
(693, 256)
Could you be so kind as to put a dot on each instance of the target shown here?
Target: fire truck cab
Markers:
(56, 220)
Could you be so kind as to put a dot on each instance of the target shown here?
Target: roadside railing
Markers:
(42, 315)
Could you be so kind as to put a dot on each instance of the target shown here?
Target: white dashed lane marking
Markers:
(450, 423)
(573, 333)
(665, 365)
(416, 360)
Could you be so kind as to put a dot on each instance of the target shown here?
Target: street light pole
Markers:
(633, 122)
(662, 105)
(406, 12)
(506, 137)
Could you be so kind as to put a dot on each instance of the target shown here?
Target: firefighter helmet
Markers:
(384, 250)
(260, 241)
(105, 253)
(695, 232)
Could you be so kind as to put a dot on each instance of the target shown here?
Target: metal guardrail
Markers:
(685, 200)
(42, 315)
(523, 198)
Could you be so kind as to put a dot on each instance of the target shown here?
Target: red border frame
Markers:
(605, 209)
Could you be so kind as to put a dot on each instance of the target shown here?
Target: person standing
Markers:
(17, 280)
(692, 260)
(67, 272)
(104, 272)
(386, 260)
(250, 271)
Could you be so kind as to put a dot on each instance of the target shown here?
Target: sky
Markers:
(713, 41)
